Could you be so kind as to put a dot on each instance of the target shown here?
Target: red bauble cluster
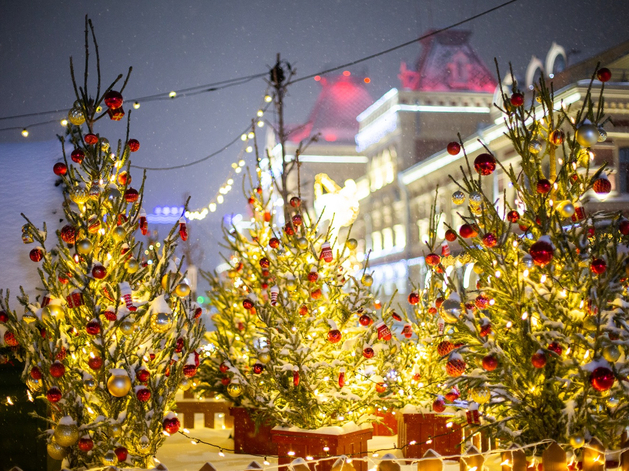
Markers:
(602, 378)
(454, 148)
(485, 164)
(598, 266)
(334, 336)
(413, 298)
(134, 145)
(542, 253)
(539, 359)
(171, 425)
(455, 367)
(490, 363)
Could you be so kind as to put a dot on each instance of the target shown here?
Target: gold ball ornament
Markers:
(34, 384)
(115, 430)
(56, 451)
(118, 233)
(161, 322)
(166, 281)
(182, 290)
(132, 266)
(584, 157)
(611, 353)
(388, 463)
(234, 389)
(587, 135)
(29, 317)
(367, 280)
(291, 285)
(52, 310)
(302, 243)
(565, 209)
(127, 326)
(104, 144)
(577, 441)
(110, 459)
(186, 383)
(481, 395)
(76, 116)
(84, 246)
(477, 210)
(264, 357)
(477, 269)
(119, 385)
(458, 197)
(476, 199)
(602, 135)
(351, 244)
(535, 147)
(79, 194)
(612, 401)
(66, 435)
(90, 384)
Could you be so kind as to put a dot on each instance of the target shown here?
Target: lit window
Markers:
(387, 238)
(399, 232)
(423, 226)
(376, 241)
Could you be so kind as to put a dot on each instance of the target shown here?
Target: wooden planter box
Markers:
(388, 426)
(305, 443)
(246, 439)
(421, 427)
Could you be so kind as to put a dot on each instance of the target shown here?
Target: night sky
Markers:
(179, 44)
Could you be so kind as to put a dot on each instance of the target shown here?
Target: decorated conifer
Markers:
(111, 335)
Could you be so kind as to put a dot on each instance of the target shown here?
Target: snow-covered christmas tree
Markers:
(112, 334)
(542, 337)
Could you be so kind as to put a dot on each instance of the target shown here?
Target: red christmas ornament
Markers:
(452, 395)
(93, 327)
(68, 234)
(485, 164)
(485, 330)
(247, 304)
(225, 380)
(557, 137)
(131, 195)
(295, 376)
(313, 276)
(334, 336)
(624, 227)
(444, 348)
(90, 139)
(10, 340)
(121, 453)
(60, 168)
(555, 347)
(438, 405)
(413, 298)
(384, 333)
(99, 272)
(541, 252)
(407, 331)
(368, 352)
(365, 320)
(297, 220)
(467, 231)
(35, 373)
(303, 310)
(489, 240)
(602, 378)
(124, 178)
(513, 216)
(57, 370)
(396, 316)
(198, 312)
(598, 266)
(179, 344)
(490, 363)
(288, 229)
(113, 99)
(539, 359)
(454, 148)
(455, 367)
(258, 368)
(95, 363)
(85, 444)
(381, 388)
(432, 259)
(264, 262)
(143, 375)
(326, 252)
(274, 242)
(189, 370)
(517, 99)
(604, 74)
(61, 354)
(295, 202)
(224, 367)
(36, 254)
(143, 394)
(481, 301)
(134, 145)
(543, 186)
(602, 185)
(109, 314)
(171, 425)
(77, 156)
(53, 394)
(316, 294)
(450, 235)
